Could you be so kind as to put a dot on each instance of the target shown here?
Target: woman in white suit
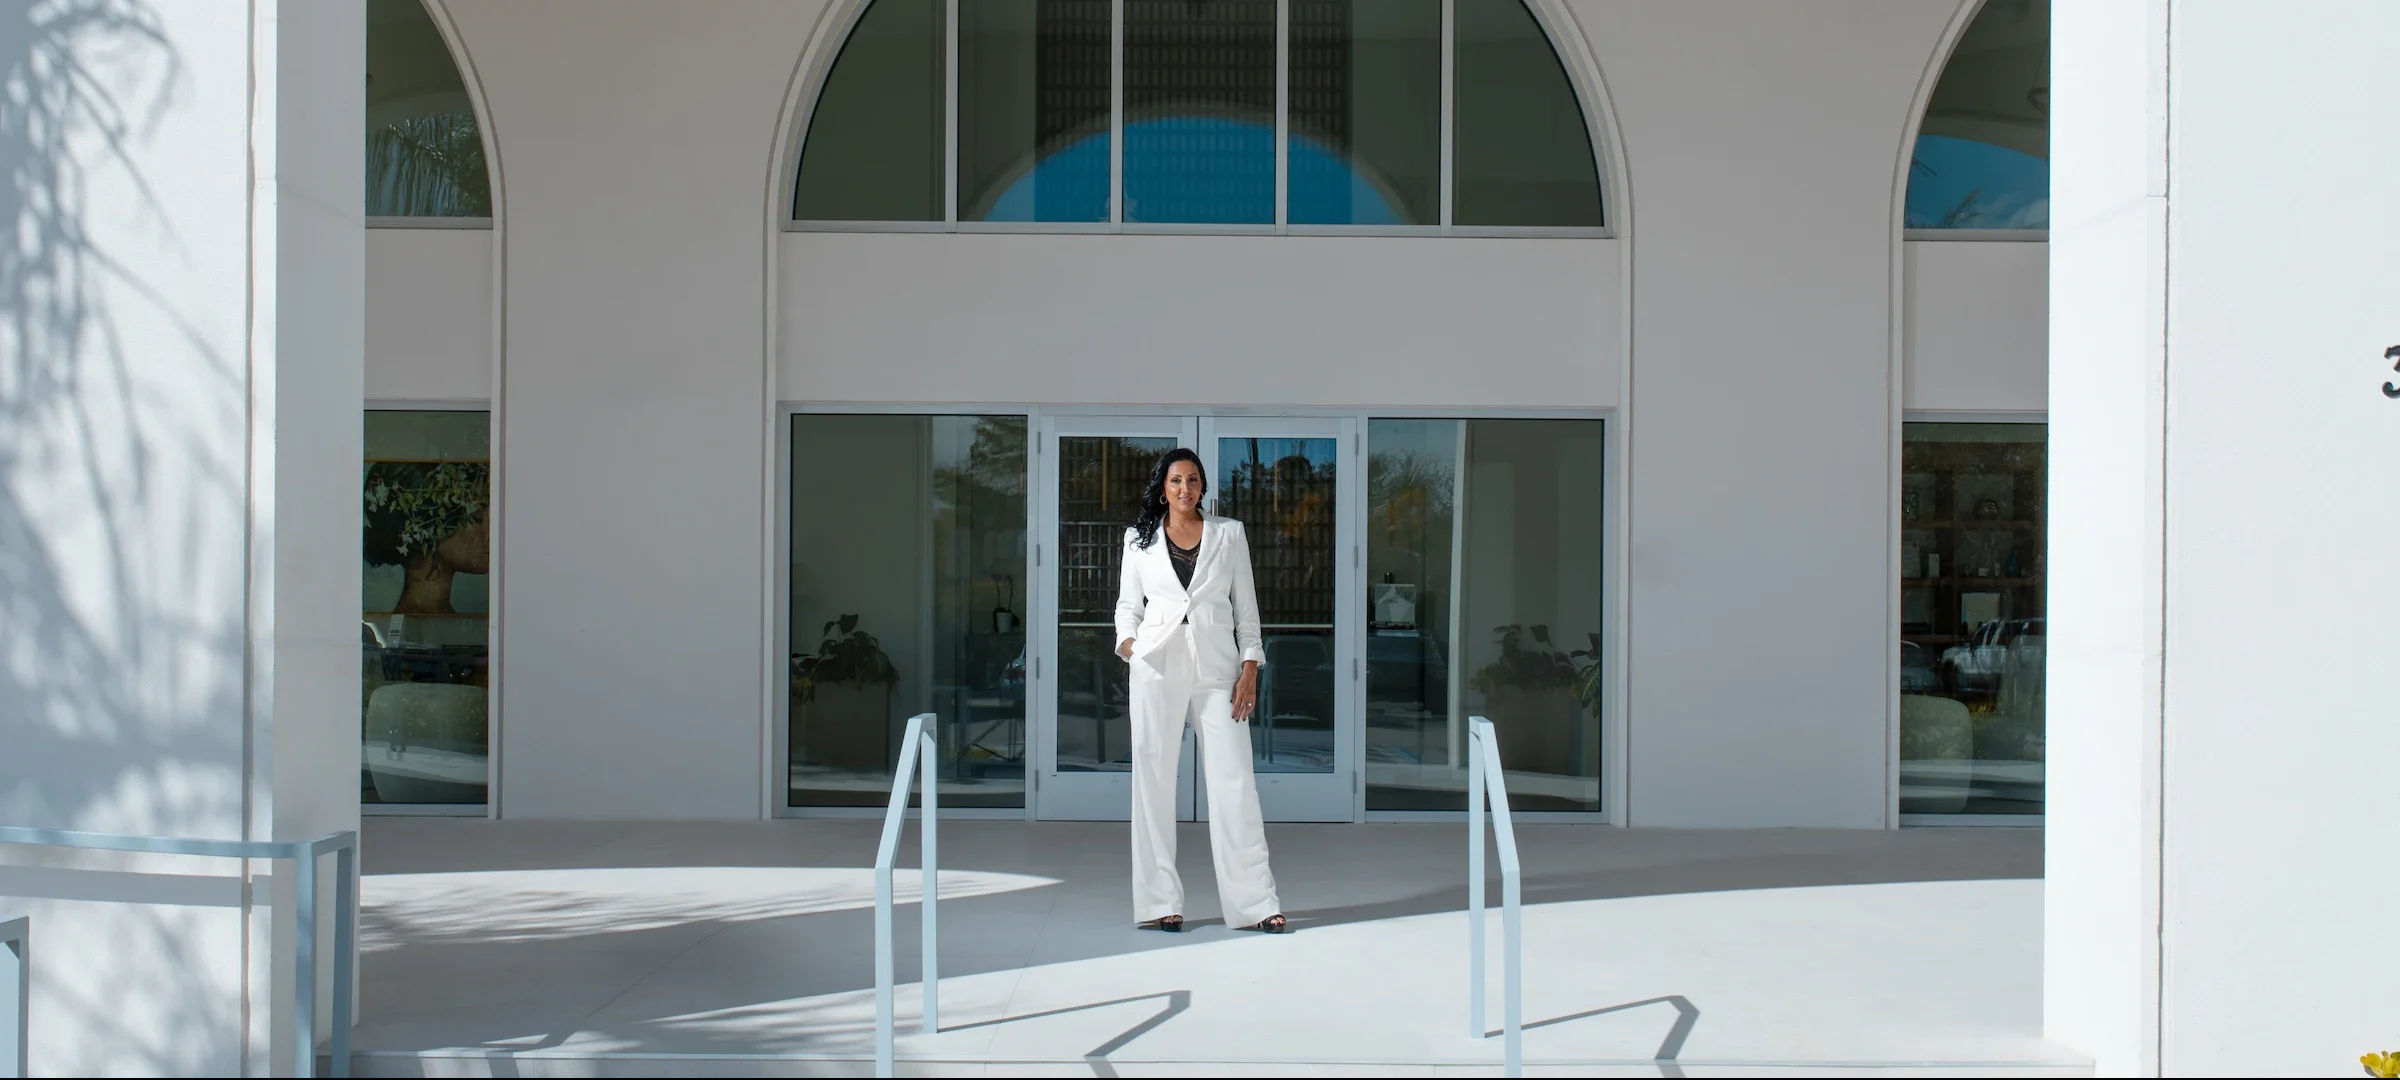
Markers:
(1187, 626)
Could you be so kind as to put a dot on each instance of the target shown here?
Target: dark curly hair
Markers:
(1154, 497)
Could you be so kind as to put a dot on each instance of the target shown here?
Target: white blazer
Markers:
(1222, 603)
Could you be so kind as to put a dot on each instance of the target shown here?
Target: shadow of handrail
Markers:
(1687, 1016)
(1178, 1003)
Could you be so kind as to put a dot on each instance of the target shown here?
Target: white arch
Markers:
(810, 72)
(1574, 49)
(495, 711)
(1896, 391)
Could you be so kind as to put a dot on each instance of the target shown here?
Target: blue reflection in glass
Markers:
(1328, 189)
(1963, 184)
(1196, 170)
(1200, 170)
(1068, 184)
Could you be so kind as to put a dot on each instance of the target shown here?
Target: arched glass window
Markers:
(1982, 159)
(1208, 113)
(424, 147)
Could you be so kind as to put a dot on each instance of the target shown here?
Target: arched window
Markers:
(1982, 159)
(1210, 113)
(424, 147)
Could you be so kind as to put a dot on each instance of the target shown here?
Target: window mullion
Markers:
(950, 115)
(1449, 104)
(1116, 114)
(1283, 115)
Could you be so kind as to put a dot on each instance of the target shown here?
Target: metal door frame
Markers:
(1336, 795)
(1080, 796)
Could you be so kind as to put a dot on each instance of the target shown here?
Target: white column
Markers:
(1759, 471)
(180, 342)
(2107, 387)
(2222, 814)
(634, 402)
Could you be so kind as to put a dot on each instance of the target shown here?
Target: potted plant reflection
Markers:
(842, 702)
(426, 680)
(1536, 696)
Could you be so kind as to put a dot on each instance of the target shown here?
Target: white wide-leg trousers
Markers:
(1165, 688)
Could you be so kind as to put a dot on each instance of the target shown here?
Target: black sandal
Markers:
(1172, 924)
(1272, 924)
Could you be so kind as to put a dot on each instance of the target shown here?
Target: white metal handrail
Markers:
(13, 937)
(304, 855)
(1485, 780)
(916, 754)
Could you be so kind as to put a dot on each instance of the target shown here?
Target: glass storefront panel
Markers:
(875, 149)
(1366, 120)
(1200, 111)
(1522, 153)
(1484, 573)
(1033, 105)
(908, 548)
(1363, 100)
(1415, 750)
(424, 147)
(424, 632)
(1284, 492)
(1982, 157)
(1973, 534)
(1100, 482)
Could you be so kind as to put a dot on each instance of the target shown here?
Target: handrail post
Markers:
(929, 888)
(1512, 941)
(883, 970)
(303, 854)
(16, 938)
(1475, 912)
(304, 959)
(915, 755)
(345, 949)
(1487, 782)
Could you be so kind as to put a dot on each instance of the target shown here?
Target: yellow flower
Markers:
(2386, 1064)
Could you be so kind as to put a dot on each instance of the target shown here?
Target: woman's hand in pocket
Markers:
(1125, 649)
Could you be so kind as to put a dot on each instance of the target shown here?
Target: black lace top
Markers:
(1183, 558)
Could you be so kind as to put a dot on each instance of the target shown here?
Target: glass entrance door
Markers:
(1093, 470)
(1289, 482)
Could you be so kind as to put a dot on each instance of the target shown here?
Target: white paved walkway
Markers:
(507, 949)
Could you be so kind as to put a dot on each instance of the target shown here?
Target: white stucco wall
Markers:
(637, 394)
(2222, 738)
(1977, 322)
(1976, 318)
(429, 314)
(1244, 320)
(1763, 140)
(2281, 813)
(636, 140)
(180, 381)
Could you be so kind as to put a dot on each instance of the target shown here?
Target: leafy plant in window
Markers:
(1526, 690)
(428, 166)
(2386, 1064)
(1587, 675)
(1543, 666)
(431, 519)
(848, 656)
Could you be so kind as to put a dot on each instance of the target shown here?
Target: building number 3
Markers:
(2392, 354)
